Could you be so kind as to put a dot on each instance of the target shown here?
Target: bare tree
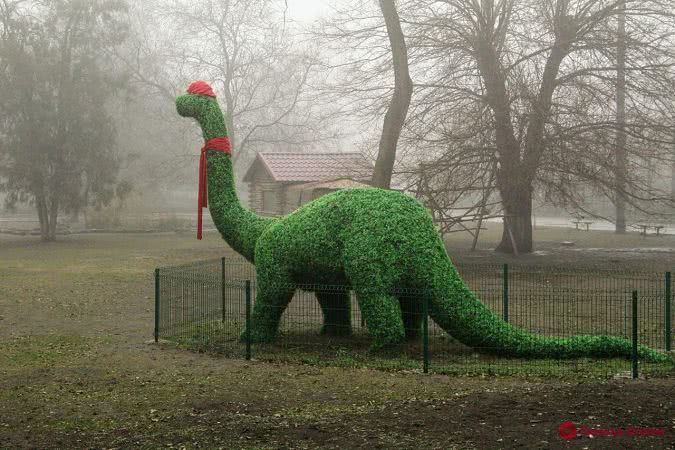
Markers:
(261, 72)
(621, 137)
(484, 28)
(531, 86)
(394, 120)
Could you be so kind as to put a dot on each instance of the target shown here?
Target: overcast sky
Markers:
(308, 10)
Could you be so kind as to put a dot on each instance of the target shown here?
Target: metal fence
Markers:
(206, 305)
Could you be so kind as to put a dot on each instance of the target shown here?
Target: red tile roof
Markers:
(307, 167)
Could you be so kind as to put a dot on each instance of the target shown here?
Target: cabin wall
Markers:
(297, 198)
(280, 199)
(293, 201)
(261, 188)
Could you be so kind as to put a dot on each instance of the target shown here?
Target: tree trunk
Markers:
(53, 214)
(672, 169)
(400, 102)
(47, 215)
(672, 178)
(43, 217)
(517, 201)
(620, 176)
(515, 175)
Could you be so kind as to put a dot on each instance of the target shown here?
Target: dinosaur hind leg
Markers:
(373, 280)
(412, 309)
(383, 317)
(336, 309)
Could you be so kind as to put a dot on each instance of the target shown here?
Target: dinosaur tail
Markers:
(456, 309)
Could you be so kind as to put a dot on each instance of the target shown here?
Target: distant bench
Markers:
(578, 222)
(647, 226)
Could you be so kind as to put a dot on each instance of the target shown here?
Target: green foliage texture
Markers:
(383, 246)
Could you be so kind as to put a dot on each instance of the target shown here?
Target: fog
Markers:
(336, 223)
(306, 76)
(308, 11)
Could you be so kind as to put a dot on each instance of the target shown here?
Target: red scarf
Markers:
(220, 144)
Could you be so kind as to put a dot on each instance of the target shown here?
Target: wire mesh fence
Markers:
(206, 306)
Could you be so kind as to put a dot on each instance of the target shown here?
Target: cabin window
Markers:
(269, 201)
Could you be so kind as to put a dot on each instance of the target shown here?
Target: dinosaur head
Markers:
(199, 99)
(200, 103)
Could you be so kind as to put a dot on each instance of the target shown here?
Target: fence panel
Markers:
(203, 306)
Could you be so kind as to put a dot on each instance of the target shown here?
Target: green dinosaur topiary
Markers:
(377, 242)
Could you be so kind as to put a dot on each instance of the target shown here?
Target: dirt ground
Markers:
(76, 370)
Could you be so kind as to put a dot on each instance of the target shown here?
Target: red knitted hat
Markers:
(201, 88)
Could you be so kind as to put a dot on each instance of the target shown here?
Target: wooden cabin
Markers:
(281, 182)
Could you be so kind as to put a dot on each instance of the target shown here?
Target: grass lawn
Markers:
(76, 370)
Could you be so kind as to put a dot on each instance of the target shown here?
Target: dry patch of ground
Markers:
(75, 372)
(71, 392)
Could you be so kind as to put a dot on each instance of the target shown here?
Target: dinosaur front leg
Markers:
(336, 309)
(274, 292)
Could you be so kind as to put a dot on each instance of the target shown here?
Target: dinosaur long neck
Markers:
(239, 227)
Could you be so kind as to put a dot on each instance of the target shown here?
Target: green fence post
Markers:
(157, 300)
(667, 312)
(425, 332)
(248, 320)
(222, 286)
(505, 294)
(634, 353)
